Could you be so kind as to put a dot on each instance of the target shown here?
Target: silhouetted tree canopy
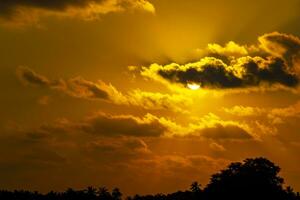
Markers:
(255, 179)
(251, 179)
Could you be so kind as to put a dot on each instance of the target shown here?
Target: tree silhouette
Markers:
(252, 179)
(104, 194)
(91, 192)
(196, 190)
(195, 187)
(116, 194)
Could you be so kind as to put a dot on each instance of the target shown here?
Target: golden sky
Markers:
(146, 95)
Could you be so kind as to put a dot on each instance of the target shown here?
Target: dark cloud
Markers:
(271, 63)
(212, 74)
(76, 87)
(249, 72)
(28, 76)
(7, 7)
(107, 125)
(25, 11)
(226, 132)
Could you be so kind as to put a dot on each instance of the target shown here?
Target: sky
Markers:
(146, 95)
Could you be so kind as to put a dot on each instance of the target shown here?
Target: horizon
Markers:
(238, 178)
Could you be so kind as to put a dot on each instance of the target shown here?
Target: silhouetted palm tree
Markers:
(116, 194)
(104, 194)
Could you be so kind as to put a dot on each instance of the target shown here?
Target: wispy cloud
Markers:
(79, 87)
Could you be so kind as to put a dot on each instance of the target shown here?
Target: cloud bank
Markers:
(269, 64)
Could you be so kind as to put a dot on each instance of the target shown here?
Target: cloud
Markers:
(123, 144)
(230, 49)
(30, 77)
(31, 154)
(212, 127)
(79, 87)
(110, 149)
(55, 143)
(275, 115)
(266, 65)
(266, 129)
(268, 120)
(98, 161)
(109, 125)
(156, 100)
(208, 127)
(27, 11)
(99, 125)
(217, 147)
(76, 87)
(244, 111)
(220, 132)
(213, 73)
(281, 45)
(278, 114)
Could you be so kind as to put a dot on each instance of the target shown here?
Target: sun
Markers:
(193, 86)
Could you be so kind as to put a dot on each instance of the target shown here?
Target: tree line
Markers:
(252, 179)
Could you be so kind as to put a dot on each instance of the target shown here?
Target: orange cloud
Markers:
(78, 87)
(274, 115)
(109, 125)
(281, 45)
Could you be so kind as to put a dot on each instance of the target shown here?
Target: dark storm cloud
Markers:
(127, 125)
(271, 63)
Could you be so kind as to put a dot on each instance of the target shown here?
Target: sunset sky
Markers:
(146, 95)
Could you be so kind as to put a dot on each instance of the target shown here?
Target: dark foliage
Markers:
(255, 179)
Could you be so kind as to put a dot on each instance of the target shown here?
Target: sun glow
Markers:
(193, 86)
